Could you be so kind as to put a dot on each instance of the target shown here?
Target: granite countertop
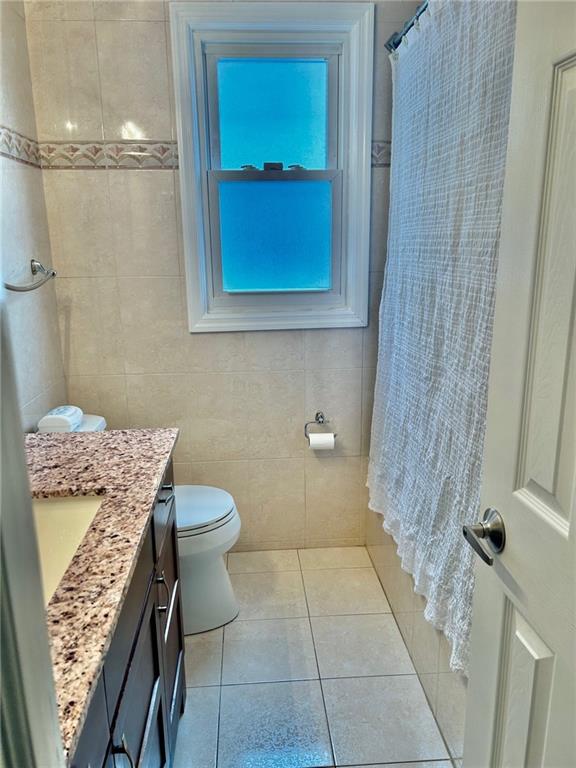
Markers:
(125, 467)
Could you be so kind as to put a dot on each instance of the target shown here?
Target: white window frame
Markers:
(197, 27)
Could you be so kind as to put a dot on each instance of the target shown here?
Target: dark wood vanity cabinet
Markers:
(134, 714)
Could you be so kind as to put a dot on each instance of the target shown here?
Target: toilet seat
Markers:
(202, 508)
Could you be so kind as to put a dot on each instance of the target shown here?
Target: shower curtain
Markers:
(452, 80)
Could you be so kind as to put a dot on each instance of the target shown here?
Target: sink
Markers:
(61, 524)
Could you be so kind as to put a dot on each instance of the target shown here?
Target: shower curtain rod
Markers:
(394, 40)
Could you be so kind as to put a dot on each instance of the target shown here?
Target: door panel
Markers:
(521, 704)
(549, 400)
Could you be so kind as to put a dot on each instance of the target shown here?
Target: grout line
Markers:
(303, 570)
(448, 752)
(238, 620)
(304, 679)
(220, 698)
(414, 763)
(318, 667)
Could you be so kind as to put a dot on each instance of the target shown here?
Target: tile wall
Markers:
(101, 74)
(24, 235)
(429, 649)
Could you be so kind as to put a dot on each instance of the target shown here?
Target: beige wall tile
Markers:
(451, 710)
(232, 476)
(335, 498)
(277, 502)
(50, 397)
(33, 327)
(405, 623)
(338, 394)
(134, 77)
(155, 336)
(144, 222)
(23, 223)
(32, 319)
(121, 10)
(425, 645)
(65, 81)
(370, 349)
(247, 415)
(375, 533)
(16, 104)
(250, 351)
(182, 472)
(429, 683)
(379, 217)
(59, 10)
(102, 395)
(368, 381)
(333, 348)
(79, 213)
(396, 12)
(89, 315)
(274, 351)
(216, 352)
(161, 400)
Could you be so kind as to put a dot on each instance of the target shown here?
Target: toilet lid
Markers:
(201, 505)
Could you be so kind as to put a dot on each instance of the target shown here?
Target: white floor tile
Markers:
(203, 658)
(344, 591)
(269, 650)
(198, 730)
(273, 725)
(263, 562)
(433, 764)
(353, 646)
(269, 595)
(381, 720)
(334, 557)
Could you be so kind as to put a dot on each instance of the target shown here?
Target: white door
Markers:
(521, 699)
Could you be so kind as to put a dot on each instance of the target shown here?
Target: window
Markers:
(274, 110)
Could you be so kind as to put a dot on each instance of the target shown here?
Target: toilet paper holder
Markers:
(319, 418)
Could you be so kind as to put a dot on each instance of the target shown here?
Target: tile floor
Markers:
(313, 672)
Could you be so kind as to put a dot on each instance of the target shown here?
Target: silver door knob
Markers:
(492, 529)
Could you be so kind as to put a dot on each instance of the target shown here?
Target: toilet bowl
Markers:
(208, 526)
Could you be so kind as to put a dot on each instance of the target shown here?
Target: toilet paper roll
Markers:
(322, 441)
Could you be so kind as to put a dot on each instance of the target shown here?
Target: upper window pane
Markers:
(273, 110)
(276, 236)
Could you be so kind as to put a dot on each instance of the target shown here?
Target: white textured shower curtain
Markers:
(452, 79)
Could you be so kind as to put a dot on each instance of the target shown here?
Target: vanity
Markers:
(114, 618)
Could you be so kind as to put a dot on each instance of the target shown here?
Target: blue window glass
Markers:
(272, 110)
(276, 235)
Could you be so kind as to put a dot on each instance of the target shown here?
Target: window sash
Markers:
(214, 263)
(214, 52)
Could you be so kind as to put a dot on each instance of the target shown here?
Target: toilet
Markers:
(208, 526)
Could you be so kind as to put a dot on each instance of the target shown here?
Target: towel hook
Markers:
(36, 268)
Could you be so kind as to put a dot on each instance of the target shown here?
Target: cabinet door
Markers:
(117, 661)
(140, 731)
(170, 612)
(93, 742)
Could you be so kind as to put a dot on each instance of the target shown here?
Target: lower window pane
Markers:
(276, 235)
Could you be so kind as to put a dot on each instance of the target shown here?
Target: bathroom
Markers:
(276, 550)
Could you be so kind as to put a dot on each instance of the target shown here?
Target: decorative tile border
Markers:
(103, 154)
(72, 155)
(18, 147)
(126, 155)
(381, 154)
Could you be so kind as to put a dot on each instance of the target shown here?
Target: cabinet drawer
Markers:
(93, 743)
(140, 726)
(118, 657)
